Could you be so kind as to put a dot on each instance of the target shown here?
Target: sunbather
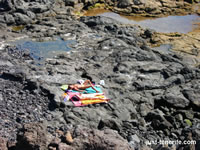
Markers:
(82, 87)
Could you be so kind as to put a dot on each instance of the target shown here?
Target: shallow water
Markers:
(181, 24)
(41, 50)
(164, 48)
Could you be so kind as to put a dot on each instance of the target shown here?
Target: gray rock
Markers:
(179, 117)
(30, 14)
(144, 110)
(2, 19)
(22, 19)
(9, 19)
(39, 8)
(1, 97)
(124, 3)
(174, 97)
(159, 122)
(71, 2)
(193, 96)
(189, 114)
(134, 138)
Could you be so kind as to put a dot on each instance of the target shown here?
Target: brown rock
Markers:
(3, 144)
(63, 146)
(56, 141)
(68, 138)
(86, 138)
(59, 132)
(33, 136)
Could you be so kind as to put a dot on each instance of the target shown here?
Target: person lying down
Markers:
(93, 96)
(82, 87)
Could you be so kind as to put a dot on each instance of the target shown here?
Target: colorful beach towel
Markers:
(79, 99)
(89, 96)
(91, 90)
(88, 90)
(83, 100)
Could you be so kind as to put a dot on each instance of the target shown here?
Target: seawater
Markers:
(41, 50)
(181, 24)
(164, 48)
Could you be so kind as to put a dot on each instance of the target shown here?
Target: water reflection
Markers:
(181, 24)
(41, 50)
(164, 48)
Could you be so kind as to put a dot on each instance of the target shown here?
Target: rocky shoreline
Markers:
(154, 94)
(185, 45)
(154, 8)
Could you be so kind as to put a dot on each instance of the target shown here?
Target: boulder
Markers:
(33, 136)
(21, 19)
(6, 5)
(174, 97)
(2, 19)
(9, 19)
(39, 8)
(193, 96)
(71, 2)
(159, 122)
(124, 3)
(107, 139)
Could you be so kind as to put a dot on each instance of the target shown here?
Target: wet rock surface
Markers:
(23, 12)
(187, 45)
(151, 8)
(154, 93)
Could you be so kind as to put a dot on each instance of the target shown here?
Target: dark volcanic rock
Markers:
(5, 5)
(139, 80)
(22, 101)
(176, 98)
(94, 139)
(124, 3)
(193, 96)
(33, 136)
(153, 93)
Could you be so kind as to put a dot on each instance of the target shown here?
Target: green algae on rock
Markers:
(18, 28)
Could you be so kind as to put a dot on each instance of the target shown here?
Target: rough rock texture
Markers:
(186, 45)
(35, 136)
(3, 144)
(149, 88)
(21, 99)
(153, 7)
(32, 137)
(154, 93)
(85, 138)
(23, 12)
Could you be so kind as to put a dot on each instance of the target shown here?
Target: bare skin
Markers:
(92, 96)
(82, 87)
